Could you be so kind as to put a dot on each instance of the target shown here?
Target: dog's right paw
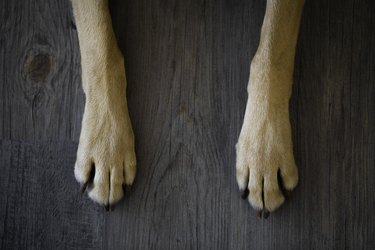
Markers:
(265, 163)
(106, 158)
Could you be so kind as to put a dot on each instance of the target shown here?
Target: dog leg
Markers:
(105, 158)
(264, 148)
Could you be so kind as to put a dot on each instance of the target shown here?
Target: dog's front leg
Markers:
(265, 148)
(105, 158)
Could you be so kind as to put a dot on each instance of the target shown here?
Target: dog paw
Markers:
(265, 165)
(105, 158)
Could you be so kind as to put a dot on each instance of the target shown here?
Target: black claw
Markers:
(111, 207)
(266, 214)
(106, 207)
(92, 173)
(89, 181)
(245, 193)
(126, 188)
(259, 213)
(83, 187)
(287, 194)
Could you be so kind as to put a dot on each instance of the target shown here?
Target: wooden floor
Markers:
(187, 64)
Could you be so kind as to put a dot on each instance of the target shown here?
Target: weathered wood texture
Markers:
(40, 207)
(187, 65)
(41, 94)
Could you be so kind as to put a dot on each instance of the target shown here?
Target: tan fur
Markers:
(107, 138)
(264, 145)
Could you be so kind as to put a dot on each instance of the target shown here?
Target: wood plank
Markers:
(41, 207)
(187, 65)
(41, 93)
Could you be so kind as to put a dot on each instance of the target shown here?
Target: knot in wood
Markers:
(38, 66)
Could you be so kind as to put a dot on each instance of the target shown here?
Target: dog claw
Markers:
(245, 193)
(83, 187)
(288, 194)
(259, 213)
(266, 214)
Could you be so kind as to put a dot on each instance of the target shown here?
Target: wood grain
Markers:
(41, 207)
(187, 65)
(41, 92)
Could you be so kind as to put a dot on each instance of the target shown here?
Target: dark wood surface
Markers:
(187, 65)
